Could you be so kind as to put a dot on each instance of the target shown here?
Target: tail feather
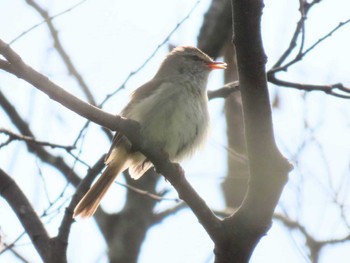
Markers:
(91, 200)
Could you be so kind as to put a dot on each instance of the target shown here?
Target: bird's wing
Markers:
(139, 94)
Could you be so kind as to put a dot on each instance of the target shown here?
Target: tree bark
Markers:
(268, 169)
(236, 182)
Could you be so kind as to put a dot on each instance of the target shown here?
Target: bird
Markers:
(172, 110)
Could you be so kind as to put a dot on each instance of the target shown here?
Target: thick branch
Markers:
(172, 172)
(10, 191)
(216, 29)
(55, 92)
(268, 169)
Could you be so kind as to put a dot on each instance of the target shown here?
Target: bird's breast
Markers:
(174, 117)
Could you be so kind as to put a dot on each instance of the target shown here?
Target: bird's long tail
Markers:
(91, 200)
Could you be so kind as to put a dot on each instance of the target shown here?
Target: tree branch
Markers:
(302, 53)
(172, 172)
(281, 65)
(165, 40)
(299, 29)
(13, 136)
(315, 246)
(216, 29)
(268, 169)
(44, 155)
(26, 215)
(61, 51)
(225, 91)
(60, 242)
(44, 21)
(336, 90)
(159, 217)
(157, 197)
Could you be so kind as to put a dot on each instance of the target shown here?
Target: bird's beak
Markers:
(217, 65)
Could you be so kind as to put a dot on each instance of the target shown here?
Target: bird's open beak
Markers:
(217, 65)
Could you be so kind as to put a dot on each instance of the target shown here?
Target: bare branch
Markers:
(58, 45)
(40, 151)
(328, 89)
(302, 53)
(172, 172)
(166, 39)
(12, 244)
(54, 91)
(18, 255)
(225, 91)
(299, 29)
(216, 29)
(45, 21)
(13, 136)
(26, 215)
(159, 217)
(131, 74)
(268, 169)
(7, 66)
(147, 193)
(329, 34)
(314, 245)
(307, 5)
(61, 241)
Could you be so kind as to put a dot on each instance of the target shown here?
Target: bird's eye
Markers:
(196, 58)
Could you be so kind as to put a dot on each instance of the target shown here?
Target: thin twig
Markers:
(44, 21)
(337, 90)
(131, 74)
(159, 217)
(224, 91)
(304, 8)
(55, 161)
(131, 129)
(147, 193)
(13, 243)
(329, 34)
(302, 54)
(61, 51)
(68, 220)
(18, 256)
(293, 42)
(313, 244)
(328, 89)
(13, 137)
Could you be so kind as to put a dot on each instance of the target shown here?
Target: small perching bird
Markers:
(172, 110)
